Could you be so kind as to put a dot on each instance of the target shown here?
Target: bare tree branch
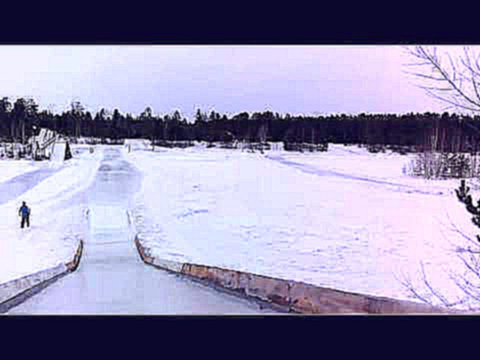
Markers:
(466, 289)
(471, 291)
(466, 292)
(443, 99)
(458, 249)
(452, 64)
(466, 61)
(407, 284)
(460, 301)
(424, 63)
(430, 77)
(458, 231)
(435, 292)
(455, 77)
(470, 267)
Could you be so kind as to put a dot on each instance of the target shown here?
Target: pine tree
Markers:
(68, 152)
(463, 195)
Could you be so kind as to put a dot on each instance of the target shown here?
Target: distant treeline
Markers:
(441, 132)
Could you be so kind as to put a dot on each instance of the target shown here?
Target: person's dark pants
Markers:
(25, 219)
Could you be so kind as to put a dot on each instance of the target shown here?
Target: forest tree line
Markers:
(427, 131)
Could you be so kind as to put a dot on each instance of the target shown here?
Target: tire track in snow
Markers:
(321, 172)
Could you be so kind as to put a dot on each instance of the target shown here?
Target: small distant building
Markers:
(50, 145)
(42, 144)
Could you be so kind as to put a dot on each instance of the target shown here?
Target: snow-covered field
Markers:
(12, 168)
(57, 220)
(345, 218)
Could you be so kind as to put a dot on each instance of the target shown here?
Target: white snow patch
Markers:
(57, 221)
(12, 168)
(344, 218)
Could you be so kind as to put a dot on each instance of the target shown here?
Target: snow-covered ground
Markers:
(345, 218)
(58, 203)
(112, 279)
(12, 168)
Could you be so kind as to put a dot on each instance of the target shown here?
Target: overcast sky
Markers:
(229, 79)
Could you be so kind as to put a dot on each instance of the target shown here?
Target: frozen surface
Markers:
(346, 218)
(111, 278)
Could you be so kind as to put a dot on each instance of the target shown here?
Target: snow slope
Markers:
(345, 218)
(12, 168)
(58, 205)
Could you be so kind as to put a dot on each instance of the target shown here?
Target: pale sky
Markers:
(229, 79)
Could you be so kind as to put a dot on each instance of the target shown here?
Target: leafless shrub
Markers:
(433, 165)
(305, 147)
(468, 281)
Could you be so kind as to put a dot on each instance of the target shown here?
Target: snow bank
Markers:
(345, 219)
(292, 296)
(58, 220)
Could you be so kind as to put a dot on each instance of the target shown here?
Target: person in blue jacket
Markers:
(25, 213)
